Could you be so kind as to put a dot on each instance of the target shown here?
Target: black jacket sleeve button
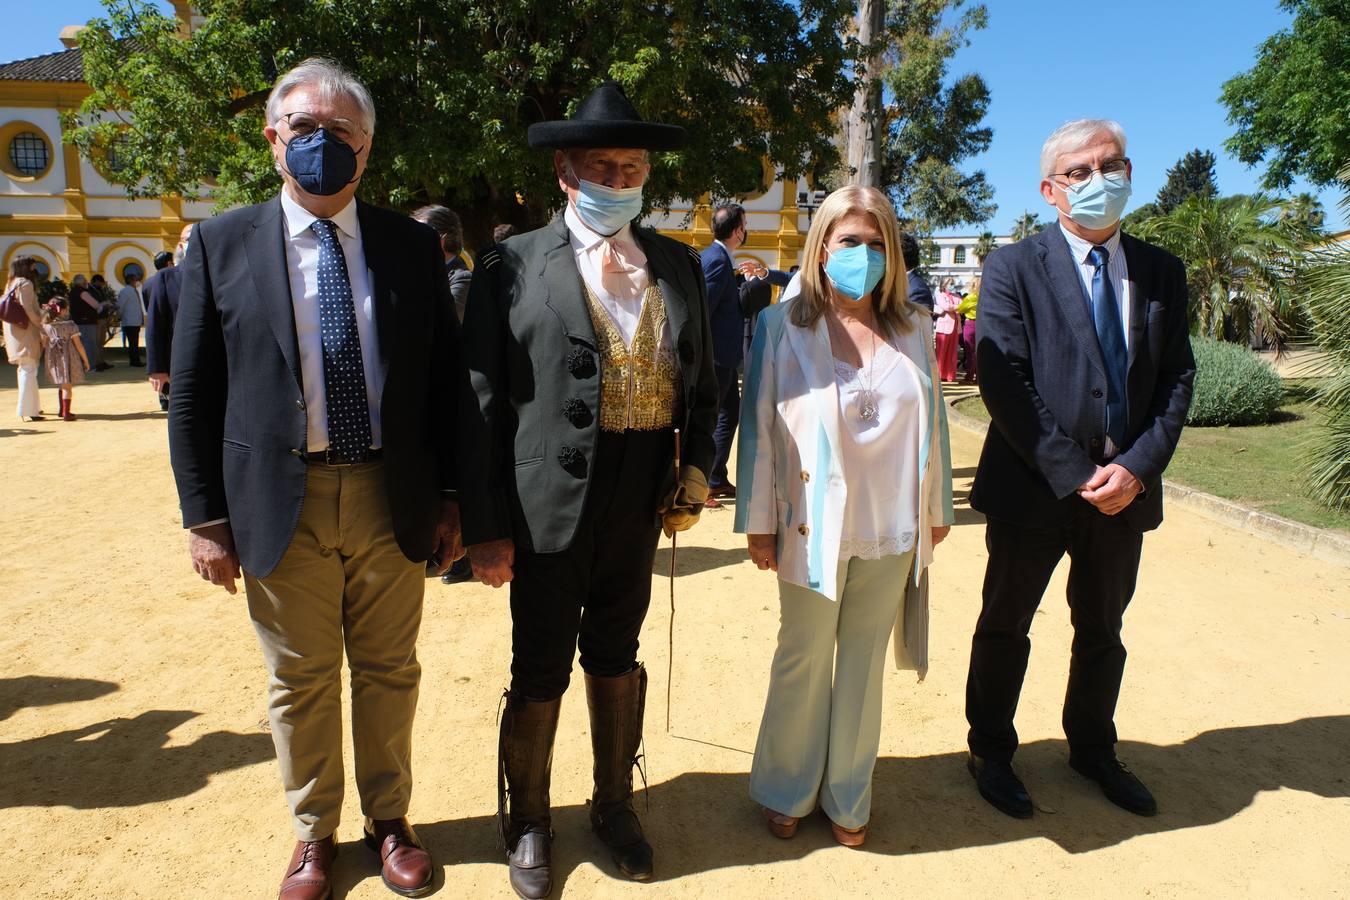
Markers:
(1096, 393)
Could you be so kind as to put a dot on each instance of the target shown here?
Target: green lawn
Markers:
(1256, 465)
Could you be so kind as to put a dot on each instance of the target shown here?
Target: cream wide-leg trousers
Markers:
(822, 720)
(343, 584)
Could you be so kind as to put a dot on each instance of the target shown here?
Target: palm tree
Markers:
(1326, 459)
(1026, 225)
(1241, 262)
(984, 246)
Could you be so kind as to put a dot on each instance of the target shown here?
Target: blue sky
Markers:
(1157, 66)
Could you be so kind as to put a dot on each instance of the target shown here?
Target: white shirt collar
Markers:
(298, 219)
(588, 238)
(1080, 248)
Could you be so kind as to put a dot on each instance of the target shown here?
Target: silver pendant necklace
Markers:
(867, 399)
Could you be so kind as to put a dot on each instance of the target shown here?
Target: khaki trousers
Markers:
(343, 583)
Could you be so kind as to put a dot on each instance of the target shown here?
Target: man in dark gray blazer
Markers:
(587, 345)
(311, 434)
(1086, 369)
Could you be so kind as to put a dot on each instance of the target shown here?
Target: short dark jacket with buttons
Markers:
(237, 420)
(1044, 382)
(529, 422)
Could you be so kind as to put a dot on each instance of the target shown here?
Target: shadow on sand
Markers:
(700, 821)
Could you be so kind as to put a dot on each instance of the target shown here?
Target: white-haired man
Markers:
(311, 433)
(1086, 368)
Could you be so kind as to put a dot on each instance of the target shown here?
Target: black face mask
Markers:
(320, 163)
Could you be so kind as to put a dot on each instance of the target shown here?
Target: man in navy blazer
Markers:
(311, 431)
(728, 333)
(1086, 369)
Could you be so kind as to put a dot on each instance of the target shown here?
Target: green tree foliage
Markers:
(456, 82)
(1027, 224)
(1304, 212)
(1241, 263)
(934, 125)
(1290, 108)
(1233, 386)
(1192, 175)
(1326, 460)
(985, 245)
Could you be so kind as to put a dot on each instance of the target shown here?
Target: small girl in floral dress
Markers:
(66, 359)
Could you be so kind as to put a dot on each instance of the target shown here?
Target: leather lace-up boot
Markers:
(617, 705)
(525, 766)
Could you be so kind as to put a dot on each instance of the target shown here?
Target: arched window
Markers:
(29, 153)
(959, 255)
(44, 271)
(932, 253)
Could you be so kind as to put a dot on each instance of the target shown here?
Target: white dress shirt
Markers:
(302, 265)
(625, 311)
(1117, 271)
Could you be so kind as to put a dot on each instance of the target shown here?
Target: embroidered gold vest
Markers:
(639, 385)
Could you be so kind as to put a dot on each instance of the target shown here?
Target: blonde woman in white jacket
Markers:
(844, 483)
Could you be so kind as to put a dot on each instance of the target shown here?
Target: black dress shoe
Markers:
(1118, 783)
(999, 784)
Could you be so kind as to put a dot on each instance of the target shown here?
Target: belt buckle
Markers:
(330, 460)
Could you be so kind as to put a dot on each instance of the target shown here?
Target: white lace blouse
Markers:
(879, 406)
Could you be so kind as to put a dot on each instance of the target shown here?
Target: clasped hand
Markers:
(1111, 488)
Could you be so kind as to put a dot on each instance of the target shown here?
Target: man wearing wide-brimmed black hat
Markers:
(588, 346)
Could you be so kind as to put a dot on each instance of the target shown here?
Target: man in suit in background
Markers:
(1086, 369)
(728, 334)
(161, 305)
(919, 292)
(311, 432)
(587, 344)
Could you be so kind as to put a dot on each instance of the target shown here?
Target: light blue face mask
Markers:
(1100, 201)
(854, 271)
(605, 210)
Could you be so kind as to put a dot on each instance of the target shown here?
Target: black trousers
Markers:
(728, 416)
(1104, 554)
(593, 595)
(133, 335)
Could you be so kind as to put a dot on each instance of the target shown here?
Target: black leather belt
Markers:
(329, 458)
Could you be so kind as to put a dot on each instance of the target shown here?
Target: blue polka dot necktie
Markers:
(1111, 338)
(344, 378)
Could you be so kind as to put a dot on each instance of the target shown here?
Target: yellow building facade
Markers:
(60, 207)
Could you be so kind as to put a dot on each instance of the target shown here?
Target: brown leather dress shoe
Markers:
(309, 875)
(849, 837)
(405, 865)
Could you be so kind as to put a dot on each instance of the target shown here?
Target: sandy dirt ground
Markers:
(133, 762)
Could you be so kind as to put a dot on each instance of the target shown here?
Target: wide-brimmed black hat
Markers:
(606, 118)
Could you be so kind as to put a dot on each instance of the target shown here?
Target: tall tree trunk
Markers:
(864, 118)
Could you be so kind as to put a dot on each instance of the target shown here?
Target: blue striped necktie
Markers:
(1111, 338)
(344, 377)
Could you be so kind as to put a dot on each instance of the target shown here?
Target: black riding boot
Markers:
(525, 763)
(617, 705)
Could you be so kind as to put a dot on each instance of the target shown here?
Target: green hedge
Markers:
(1233, 386)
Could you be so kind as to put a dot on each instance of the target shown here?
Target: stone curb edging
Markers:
(1318, 543)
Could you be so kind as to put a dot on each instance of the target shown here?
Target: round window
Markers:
(28, 153)
(132, 270)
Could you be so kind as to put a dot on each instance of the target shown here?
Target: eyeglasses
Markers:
(1079, 176)
(302, 124)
